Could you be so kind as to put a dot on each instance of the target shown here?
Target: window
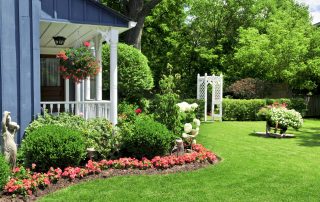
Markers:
(50, 75)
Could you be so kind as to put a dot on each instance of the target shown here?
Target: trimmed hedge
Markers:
(246, 110)
(149, 138)
(53, 145)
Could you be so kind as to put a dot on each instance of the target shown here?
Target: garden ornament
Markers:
(178, 148)
(9, 130)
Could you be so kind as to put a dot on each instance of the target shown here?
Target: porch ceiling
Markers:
(75, 34)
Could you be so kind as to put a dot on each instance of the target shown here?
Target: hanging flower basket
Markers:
(78, 63)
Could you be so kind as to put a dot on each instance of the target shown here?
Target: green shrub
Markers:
(164, 105)
(127, 112)
(241, 110)
(135, 76)
(97, 133)
(149, 139)
(4, 171)
(103, 137)
(55, 146)
(246, 110)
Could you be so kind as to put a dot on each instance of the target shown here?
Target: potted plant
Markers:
(278, 117)
(78, 63)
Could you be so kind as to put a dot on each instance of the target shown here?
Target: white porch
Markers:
(84, 98)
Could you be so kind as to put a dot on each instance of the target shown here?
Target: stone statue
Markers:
(9, 130)
(178, 148)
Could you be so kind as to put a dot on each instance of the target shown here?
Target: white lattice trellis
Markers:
(216, 83)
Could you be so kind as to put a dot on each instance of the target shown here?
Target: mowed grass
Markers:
(253, 169)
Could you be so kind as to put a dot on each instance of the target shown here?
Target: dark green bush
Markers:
(135, 76)
(246, 110)
(55, 146)
(4, 171)
(149, 139)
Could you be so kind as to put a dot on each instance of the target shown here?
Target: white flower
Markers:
(187, 127)
(183, 106)
(194, 132)
(194, 106)
(197, 122)
(185, 135)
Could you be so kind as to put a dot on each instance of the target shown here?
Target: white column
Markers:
(98, 53)
(87, 89)
(66, 93)
(213, 96)
(78, 97)
(205, 97)
(114, 38)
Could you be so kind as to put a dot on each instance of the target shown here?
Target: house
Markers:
(29, 73)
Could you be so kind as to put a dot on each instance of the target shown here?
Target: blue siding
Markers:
(81, 12)
(19, 51)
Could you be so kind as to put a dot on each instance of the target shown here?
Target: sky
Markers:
(314, 9)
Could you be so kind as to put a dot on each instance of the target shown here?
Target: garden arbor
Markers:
(204, 83)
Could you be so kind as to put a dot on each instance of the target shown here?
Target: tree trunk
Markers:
(138, 10)
(133, 36)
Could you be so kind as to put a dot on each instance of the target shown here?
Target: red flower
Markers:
(138, 111)
(86, 43)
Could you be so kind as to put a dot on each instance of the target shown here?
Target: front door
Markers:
(52, 84)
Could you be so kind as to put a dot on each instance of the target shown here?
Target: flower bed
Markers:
(26, 182)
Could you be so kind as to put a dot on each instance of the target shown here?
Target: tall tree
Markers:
(137, 10)
(282, 51)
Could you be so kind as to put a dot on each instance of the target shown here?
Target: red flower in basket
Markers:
(138, 111)
(86, 44)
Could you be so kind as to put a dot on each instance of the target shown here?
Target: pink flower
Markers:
(33, 166)
(86, 43)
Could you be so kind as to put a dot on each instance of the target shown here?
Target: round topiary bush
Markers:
(135, 76)
(148, 139)
(53, 145)
(4, 171)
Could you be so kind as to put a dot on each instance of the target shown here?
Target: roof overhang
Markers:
(82, 12)
(77, 21)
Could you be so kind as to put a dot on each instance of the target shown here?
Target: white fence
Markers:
(88, 109)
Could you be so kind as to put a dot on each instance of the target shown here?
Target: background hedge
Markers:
(246, 110)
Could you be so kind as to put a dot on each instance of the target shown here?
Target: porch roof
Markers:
(82, 12)
(77, 21)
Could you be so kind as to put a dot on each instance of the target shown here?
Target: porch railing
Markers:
(88, 109)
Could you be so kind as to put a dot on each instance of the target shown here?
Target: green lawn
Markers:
(253, 169)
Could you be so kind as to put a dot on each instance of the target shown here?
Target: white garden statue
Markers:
(9, 130)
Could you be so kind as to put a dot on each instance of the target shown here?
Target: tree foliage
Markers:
(266, 39)
(135, 76)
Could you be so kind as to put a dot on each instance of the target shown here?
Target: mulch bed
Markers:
(62, 183)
